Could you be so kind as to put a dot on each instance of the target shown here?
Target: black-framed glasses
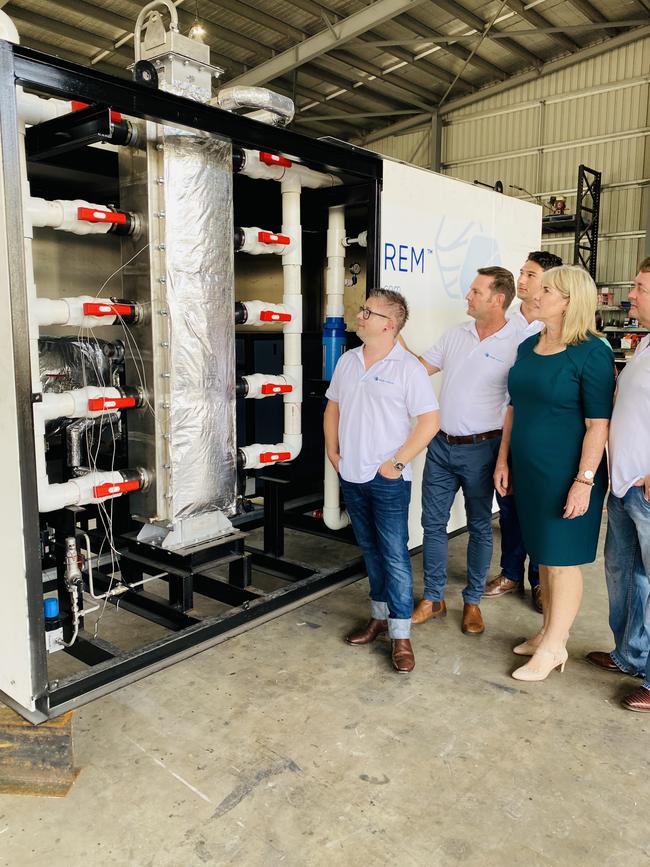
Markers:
(366, 312)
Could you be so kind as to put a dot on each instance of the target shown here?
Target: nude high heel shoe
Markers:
(528, 648)
(546, 662)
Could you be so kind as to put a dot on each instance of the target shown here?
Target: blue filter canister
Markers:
(51, 608)
(334, 343)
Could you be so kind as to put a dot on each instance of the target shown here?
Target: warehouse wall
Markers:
(535, 135)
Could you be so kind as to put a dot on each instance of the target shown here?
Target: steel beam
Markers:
(332, 37)
(77, 34)
(591, 13)
(538, 20)
(472, 20)
(514, 81)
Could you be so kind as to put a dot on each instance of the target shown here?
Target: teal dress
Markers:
(551, 396)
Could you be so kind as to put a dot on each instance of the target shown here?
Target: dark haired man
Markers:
(374, 394)
(513, 551)
(475, 358)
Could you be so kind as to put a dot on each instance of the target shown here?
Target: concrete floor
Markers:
(286, 746)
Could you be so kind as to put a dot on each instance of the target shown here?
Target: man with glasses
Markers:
(475, 358)
(375, 392)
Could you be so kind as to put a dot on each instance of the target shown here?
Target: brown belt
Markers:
(472, 438)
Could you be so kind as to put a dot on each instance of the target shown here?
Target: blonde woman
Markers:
(561, 390)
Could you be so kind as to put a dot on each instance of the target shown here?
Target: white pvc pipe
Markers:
(70, 311)
(291, 444)
(275, 384)
(76, 492)
(34, 109)
(264, 313)
(61, 214)
(333, 516)
(254, 246)
(255, 168)
(335, 274)
(292, 298)
(8, 30)
(74, 404)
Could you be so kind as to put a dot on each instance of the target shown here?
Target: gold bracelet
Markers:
(584, 482)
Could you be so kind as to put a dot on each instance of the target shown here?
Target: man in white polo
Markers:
(627, 545)
(375, 392)
(475, 358)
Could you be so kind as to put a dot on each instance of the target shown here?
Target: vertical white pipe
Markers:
(335, 274)
(333, 516)
(292, 267)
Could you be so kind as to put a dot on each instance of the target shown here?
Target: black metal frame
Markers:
(585, 246)
(110, 667)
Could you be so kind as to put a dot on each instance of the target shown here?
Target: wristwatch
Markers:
(398, 465)
(588, 475)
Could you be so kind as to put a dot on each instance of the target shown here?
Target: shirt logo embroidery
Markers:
(494, 357)
(387, 381)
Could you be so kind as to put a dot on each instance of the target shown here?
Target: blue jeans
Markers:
(513, 551)
(627, 568)
(379, 511)
(448, 467)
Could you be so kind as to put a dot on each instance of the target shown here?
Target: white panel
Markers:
(435, 233)
(15, 652)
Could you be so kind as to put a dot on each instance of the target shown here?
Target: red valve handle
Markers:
(274, 160)
(276, 388)
(96, 404)
(272, 316)
(110, 489)
(116, 117)
(271, 238)
(273, 457)
(95, 215)
(92, 308)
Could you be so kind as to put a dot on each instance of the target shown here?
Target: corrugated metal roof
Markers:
(354, 87)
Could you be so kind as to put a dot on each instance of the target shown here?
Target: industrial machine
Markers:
(174, 266)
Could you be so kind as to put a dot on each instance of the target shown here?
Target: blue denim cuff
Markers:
(622, 664)
(378, 610)
(399, 628)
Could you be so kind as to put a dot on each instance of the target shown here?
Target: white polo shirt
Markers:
(376, 407)
(527, 329)
(629, 431)
(474, 394)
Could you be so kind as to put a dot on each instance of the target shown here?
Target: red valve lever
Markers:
(271, 238)
(116, 117)
(276, 388)
(95, 215)
(274, 160)
(272, 316)
(92, 308)
(109, 489)
(273, 457)
(95, 404)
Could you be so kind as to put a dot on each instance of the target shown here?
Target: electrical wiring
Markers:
(93, 445)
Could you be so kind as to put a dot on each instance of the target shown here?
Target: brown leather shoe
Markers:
(402, 655)
(499, 586)
(536, 593)
(373, 629)
(604, 661)
(472, 620)
(428, 610)
(638, 701)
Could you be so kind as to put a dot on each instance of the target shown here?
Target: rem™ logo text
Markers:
(404, 258)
